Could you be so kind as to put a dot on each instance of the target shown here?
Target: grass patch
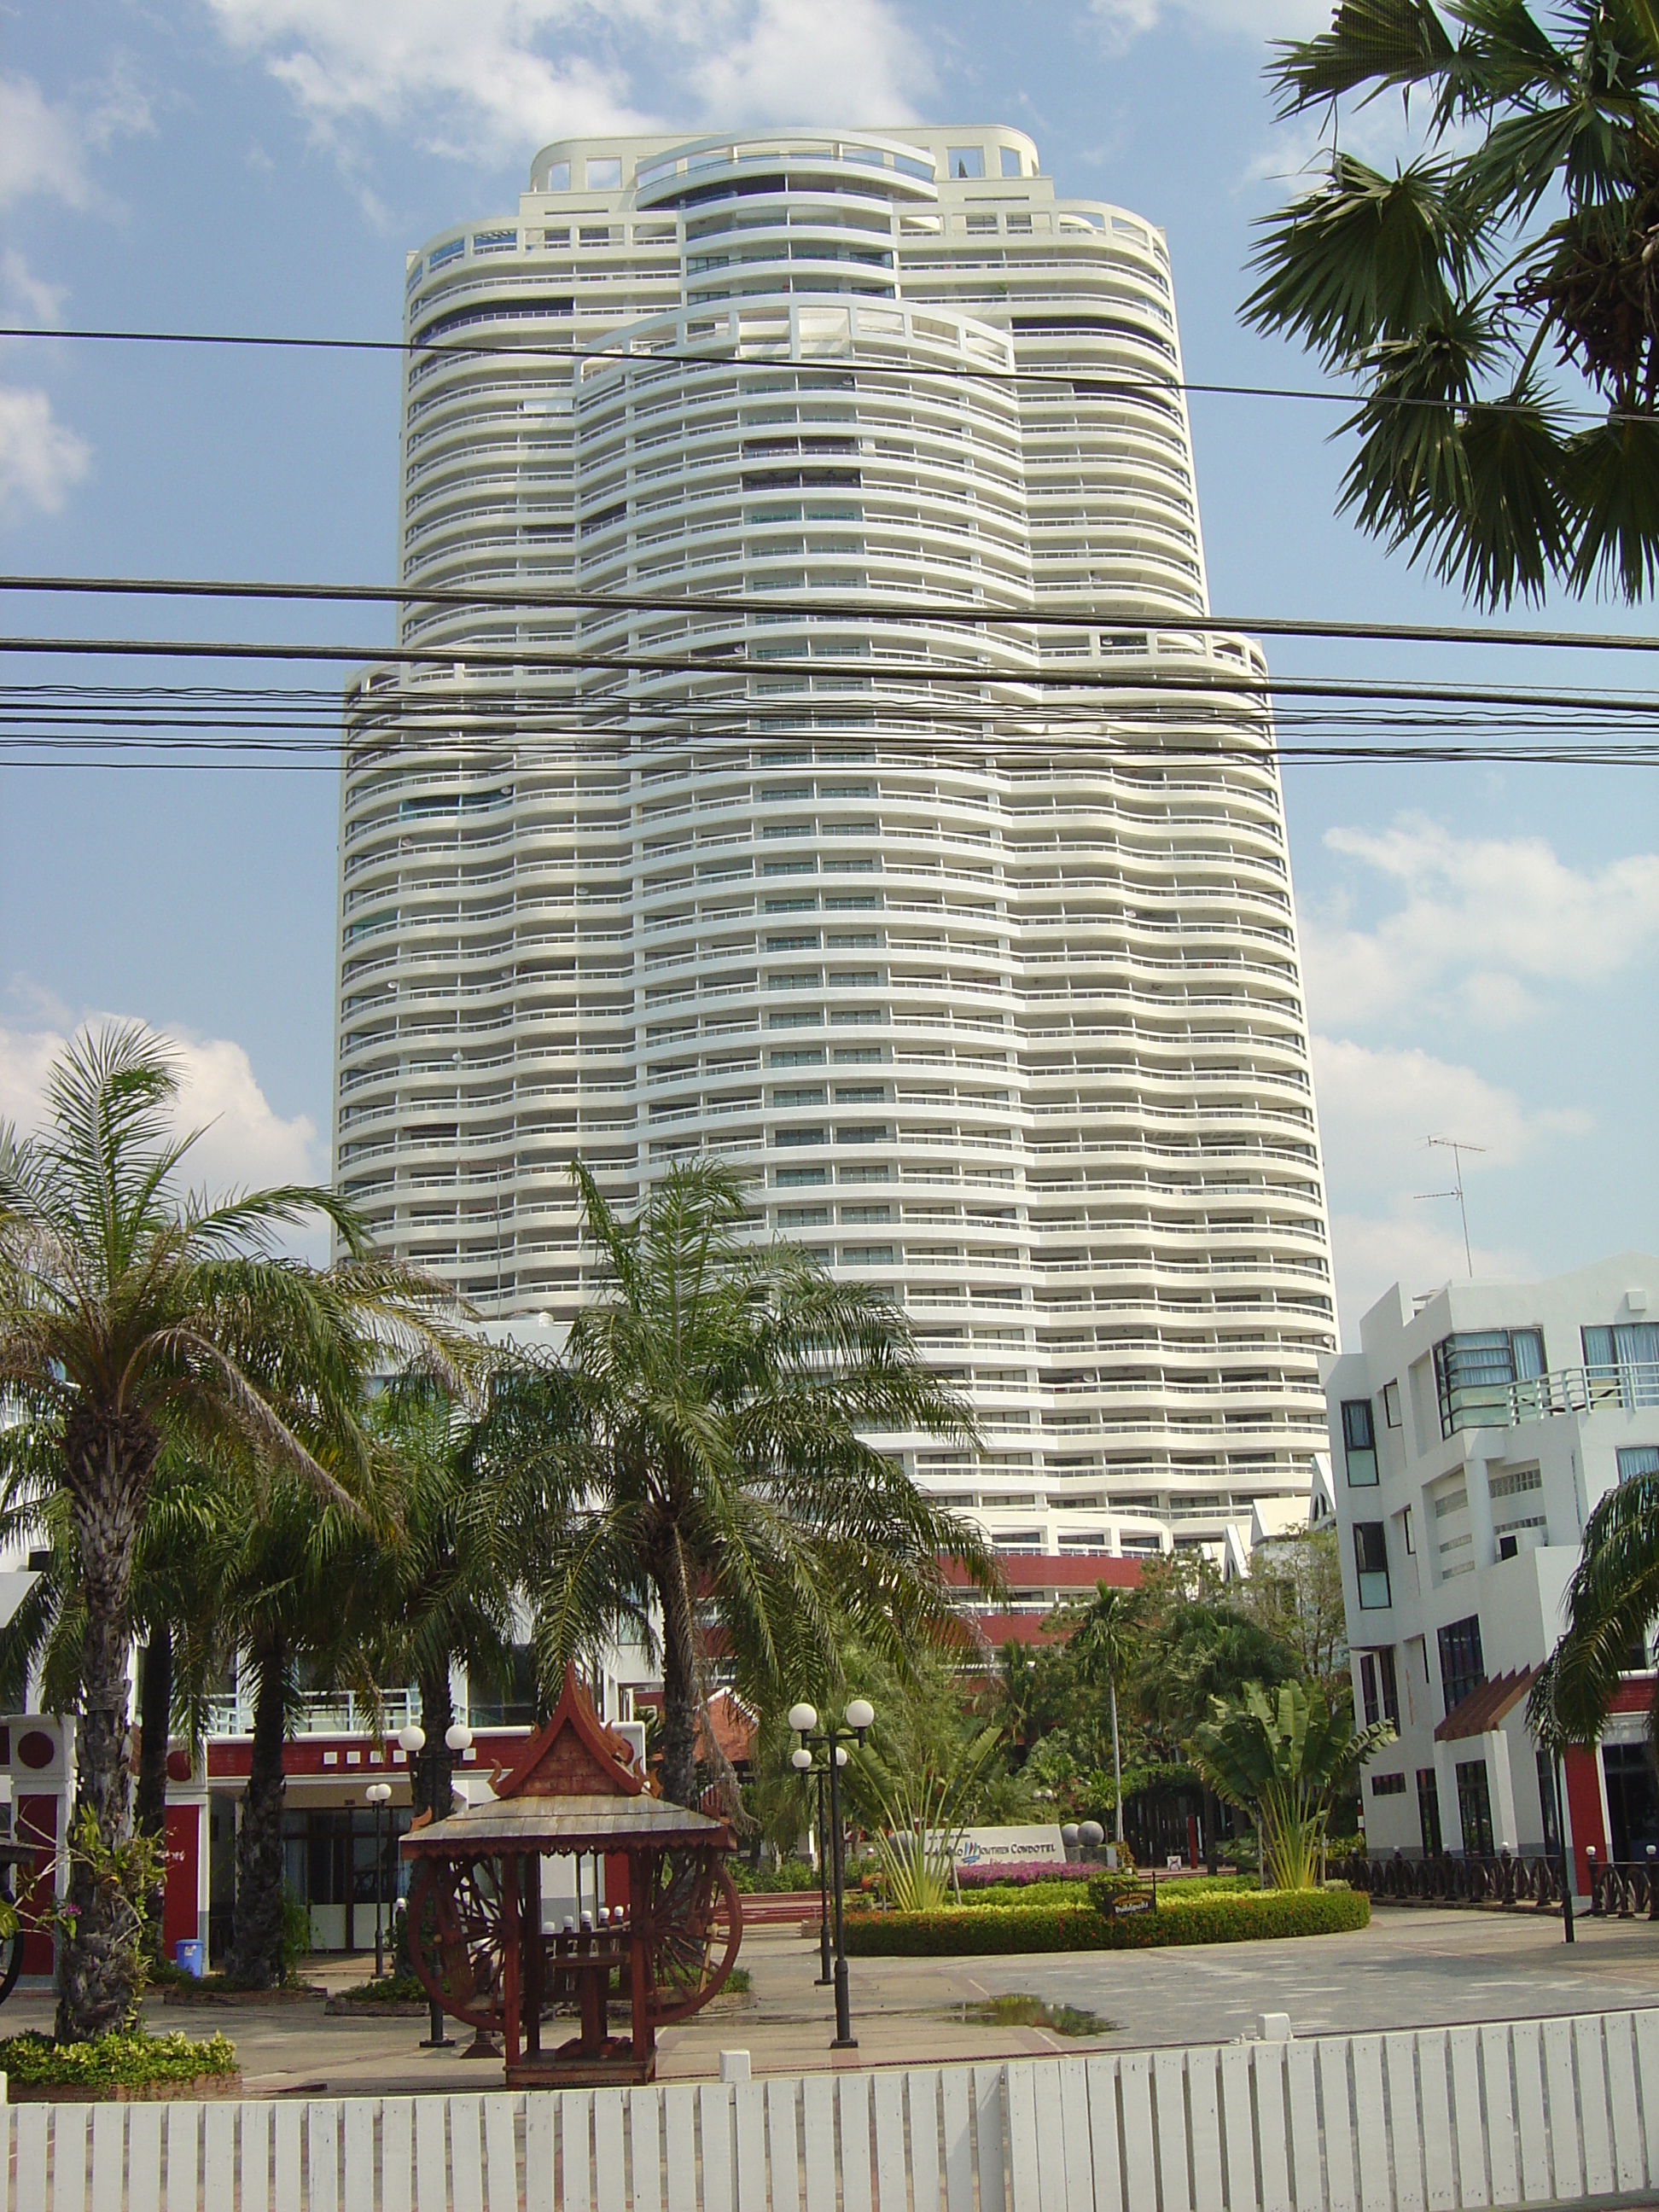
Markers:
(1015, 2010)
(115, 2061)
(737, 1983)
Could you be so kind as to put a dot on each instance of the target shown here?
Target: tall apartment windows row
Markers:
(1475, 1373)
(1463, 1668)
(1370, 1555)
(1428, 1812)
(1359, 1442)
(1474, 1805)
(1379, 1686)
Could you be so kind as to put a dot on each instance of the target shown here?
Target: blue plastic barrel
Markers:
(187, 1956)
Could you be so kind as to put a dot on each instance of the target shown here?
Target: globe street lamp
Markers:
(379, 1795)
(831, 1740)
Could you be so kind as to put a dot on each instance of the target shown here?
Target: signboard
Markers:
(1009, 1847)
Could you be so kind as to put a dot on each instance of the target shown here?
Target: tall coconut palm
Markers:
(133, 1315)
(1523, 230)
(704, 1467)
(1105, 1640)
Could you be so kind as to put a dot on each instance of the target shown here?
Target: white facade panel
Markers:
(967, 934)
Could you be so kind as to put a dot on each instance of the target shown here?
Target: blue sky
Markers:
(1479, 941)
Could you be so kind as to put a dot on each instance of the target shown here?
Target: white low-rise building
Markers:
(1471, 1439)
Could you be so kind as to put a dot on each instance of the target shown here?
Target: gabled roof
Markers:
(574, 1788)
(574, 1755)
(1485, 1708)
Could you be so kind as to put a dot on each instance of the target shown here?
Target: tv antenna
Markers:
(1456, 1146)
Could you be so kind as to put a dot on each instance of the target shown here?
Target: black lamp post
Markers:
(379, 1795)
(832, 1742)
(801, 1759)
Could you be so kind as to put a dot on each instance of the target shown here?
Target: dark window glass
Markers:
(1388, 1681)
(1359, 1442)
(1462, 1666)
(1388, 1785)
(516, 1706)
(1428, 1811)
(1632, 1799)
(1474, 1805)
(1487, 1377)
(1370, 1553)
(1546, 1800)
(1367, 1697)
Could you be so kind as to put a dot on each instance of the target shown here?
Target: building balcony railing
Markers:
(1629, 1387)
(321, 1712)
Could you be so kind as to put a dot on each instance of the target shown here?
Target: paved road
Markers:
(1411, 1968)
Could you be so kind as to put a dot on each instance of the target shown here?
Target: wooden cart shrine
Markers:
(477, 1941)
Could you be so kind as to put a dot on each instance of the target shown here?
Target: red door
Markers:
(179, 1915)
(37, 1827)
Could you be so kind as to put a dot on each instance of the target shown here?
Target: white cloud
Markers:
(40, 301)
(40, 458)
(1376, 1108)
(799, 60)
(1256, 21)
(44, 144)
(498, 77)
(41, 149)
(244, 1144)
(1484, 927)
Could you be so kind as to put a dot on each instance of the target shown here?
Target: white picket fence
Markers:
(1550, 2113)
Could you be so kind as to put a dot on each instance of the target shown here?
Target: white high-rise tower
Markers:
(801, 831)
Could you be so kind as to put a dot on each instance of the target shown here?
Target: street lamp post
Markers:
(832, 1742)
(801, 1759)
(379, 1795)
(412, 1741)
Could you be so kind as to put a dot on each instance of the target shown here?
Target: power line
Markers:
(855, 673)
(829, 608)
(1082, 382)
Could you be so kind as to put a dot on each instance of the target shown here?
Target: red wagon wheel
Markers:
(455, 1938)
(697, 1924)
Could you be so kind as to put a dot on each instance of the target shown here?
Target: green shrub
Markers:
(1105, 1889)
(391, 1989)
(789, 1878)
(1220, 1916)
(296, 1935)
(118, 2061)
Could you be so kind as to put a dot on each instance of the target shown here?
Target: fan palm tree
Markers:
(1281, 1759)
(703, 1467)
(133, 1316)
(1443, 290)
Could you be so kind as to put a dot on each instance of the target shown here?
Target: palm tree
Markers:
(702, 1462)
(131, 1318)
(1612, 1601)
(1104, 1640)
(443, 1590)
(1442, 290)
(1281, 1761)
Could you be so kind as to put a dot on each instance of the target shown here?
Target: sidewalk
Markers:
(1413, 1968)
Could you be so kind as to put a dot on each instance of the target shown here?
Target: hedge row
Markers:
(126, 2061)
(1241, 1917)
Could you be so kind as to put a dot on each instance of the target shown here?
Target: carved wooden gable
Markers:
(575, 1755)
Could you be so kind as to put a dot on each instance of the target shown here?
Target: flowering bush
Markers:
(1018, 1874)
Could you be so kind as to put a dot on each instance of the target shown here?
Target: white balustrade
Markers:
(1554, 2112)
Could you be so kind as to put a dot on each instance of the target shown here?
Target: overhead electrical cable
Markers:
(1083, 382)
(828, 607)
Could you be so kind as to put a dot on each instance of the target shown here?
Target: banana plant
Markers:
(1281, 1757)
